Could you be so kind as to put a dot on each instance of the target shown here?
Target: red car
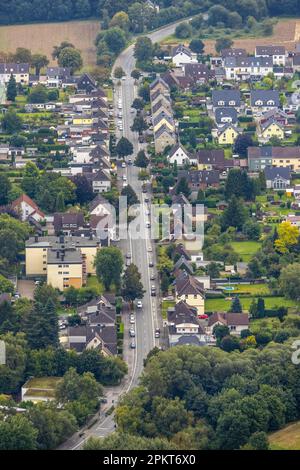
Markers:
(203, 317)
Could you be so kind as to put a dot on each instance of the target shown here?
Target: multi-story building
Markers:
(261, 157)
(19, 71)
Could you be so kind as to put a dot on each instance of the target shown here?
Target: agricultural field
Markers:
(43, 37)
(286, 33)
(287, 438)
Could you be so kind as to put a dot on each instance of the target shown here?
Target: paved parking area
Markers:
(26, 288)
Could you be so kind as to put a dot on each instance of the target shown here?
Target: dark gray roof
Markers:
(271, 173)
(227, 96)
(270, 50)
(99, 199)
(65, 256)
(60, 72)
(6, 68)
(267, 97)
(232, 62)
(181, 49)
(273, 152)
(233, 52)
(221, 113)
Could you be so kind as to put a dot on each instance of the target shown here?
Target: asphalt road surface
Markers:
(148, 317)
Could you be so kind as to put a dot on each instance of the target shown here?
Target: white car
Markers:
(132, 319)
(123, 165)
(124, 178)
(149, 249)
(124, 78)
(139, 304)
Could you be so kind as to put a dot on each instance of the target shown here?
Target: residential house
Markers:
(179, 155)
(183, 55)
(264, 100)
(225, 116)
(260, 157)
(191, 291)
(277, 178)
(20, 72)
(296, 62)
(245, 68)
(162, 105)
(67, 223)
(163, 138)
(159, 85)
(4, 152)
(226, 98)
(294, 220)
(100, 337)
(66, 268)
(269, 129)
(99, 206)
(55, 76)
(233, 52)
(101, 181)
(236, 322)
(227, 134)
(86, 84)
(27, 208)
(276, 53)
(213, 159)
(184, 327)
(163, 119)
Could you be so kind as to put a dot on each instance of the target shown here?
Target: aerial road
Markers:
(142, 254)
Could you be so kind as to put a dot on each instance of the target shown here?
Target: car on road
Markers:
(152, 276)
(132, 332)
(132, 345)
(124, 77)
(128, 263)
(151, 263)
(129, 161)
(132, 110)
(147, 199)
(124, 178)
(203, 316)
(157, 333)
(149, 249)
(132, 319)
(128, 255)
(153, 291)
(123, 165)
(148, 225)
(139, 304)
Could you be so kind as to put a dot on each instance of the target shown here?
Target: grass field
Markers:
(164, 307)
(92, 281)
(223, 305)
(287, 438)
(286, 33)
(246, 249)
(43, 37)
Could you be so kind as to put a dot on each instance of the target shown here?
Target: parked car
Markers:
(153, 291)
(132, 332)
(123, 165)
(128, 255)
(139, 304)
(203, 316)
(132, 345)
(157, 333)
(151, 263)
(152, 276)
(132, 319)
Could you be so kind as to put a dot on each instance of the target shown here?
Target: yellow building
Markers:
(227, 135)
(163, 120)
(66, 269)
(191, 291)
(83, 120)
(271, 129)
(37, 248)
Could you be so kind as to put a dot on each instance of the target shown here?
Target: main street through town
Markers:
(142, 251)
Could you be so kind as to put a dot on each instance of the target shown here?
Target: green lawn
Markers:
(92, 281)
(164, 307)
(251, 289)
(246, 250)
(223, 305)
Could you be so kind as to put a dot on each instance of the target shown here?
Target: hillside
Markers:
(287, 438)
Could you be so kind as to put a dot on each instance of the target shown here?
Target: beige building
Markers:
(39, 254)
(164, 138)
(191, 291)
(66, 269)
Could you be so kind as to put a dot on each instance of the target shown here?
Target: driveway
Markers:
(26, 288)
